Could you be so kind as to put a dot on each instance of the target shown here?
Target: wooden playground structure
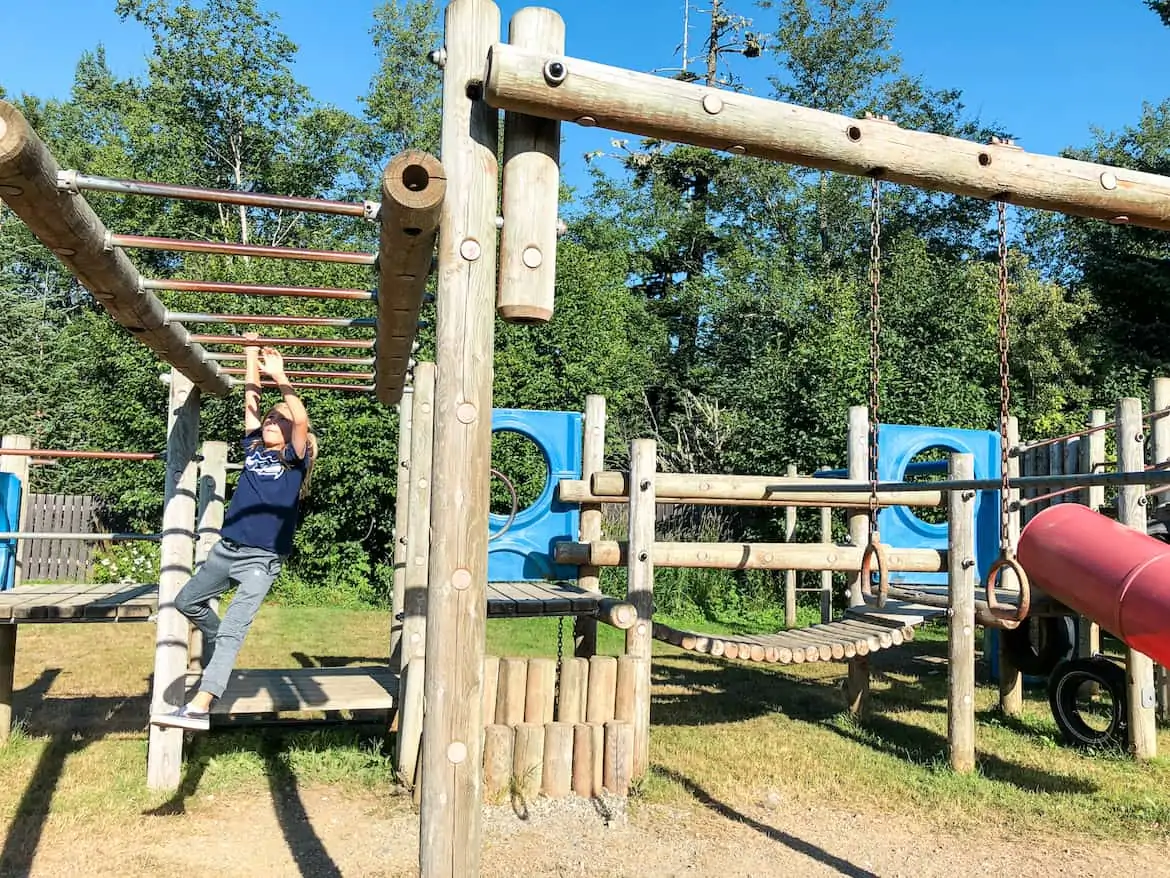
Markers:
(583, 725)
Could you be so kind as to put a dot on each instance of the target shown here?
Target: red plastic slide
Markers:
(1114, 575)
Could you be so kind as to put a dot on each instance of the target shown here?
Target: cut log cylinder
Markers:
(619, 757)
(491, 679)
(583, 760)
(540, 690)
(413, 187)
(574, 692)
(512, 691)
(664, 108)
(498, 759)
(624, 696)
(557, 779)
(602, 685)
(531, 188)
(528, 760)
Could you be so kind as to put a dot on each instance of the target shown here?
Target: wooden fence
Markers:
(59, 560)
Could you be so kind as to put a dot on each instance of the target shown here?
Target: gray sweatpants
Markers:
(229, 564)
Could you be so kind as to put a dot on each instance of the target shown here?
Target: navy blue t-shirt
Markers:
(264, 508)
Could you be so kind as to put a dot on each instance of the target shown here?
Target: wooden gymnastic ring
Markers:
(1006, 612)
(875, 549)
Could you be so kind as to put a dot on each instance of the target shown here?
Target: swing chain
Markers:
(875, 327)
(560, 656)
(1004, 388)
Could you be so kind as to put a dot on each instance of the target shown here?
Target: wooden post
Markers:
(640, 590)
(18, 466)
(498, 757)
(592, 461)
(826, 575)
(961, 637)
(790, 575)
(165, 748)
(416, 536)
(7, 678)
(1160, 453)
(540, 690)
(66, 224)
(857, 678)
(1131, 511)
(449, 842)
(413, 188)
(583, 760)
(401, 538)
(621, 755)
(599, 705)
(1011, 681)
(531, 190)
(665, 108)
(212, 494)
(1092, 460)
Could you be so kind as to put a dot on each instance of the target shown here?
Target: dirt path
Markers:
(319, 832)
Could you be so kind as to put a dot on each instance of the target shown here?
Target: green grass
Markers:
(725, 731)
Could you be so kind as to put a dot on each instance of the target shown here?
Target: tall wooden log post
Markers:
(209, 520)
(413, 188)
(531, 190)
(826, 513)
(416, 529)
(1092, 461)
(1160, 454)
(401, 514)
(790, 578)
(453, 732)
(65, 223)
(164, 761)
(1011, 681)
(857, 459)
(640, 590)
(593, 94)
(1131, 511)
(589, 576)
(18, 466)
(961, 603)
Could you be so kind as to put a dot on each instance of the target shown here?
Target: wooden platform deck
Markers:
(114, 602)
(119, 602)
(297, 690)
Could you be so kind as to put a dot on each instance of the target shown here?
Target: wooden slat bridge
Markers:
(109, 602)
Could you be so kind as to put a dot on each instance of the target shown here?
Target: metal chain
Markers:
(1004, 388)
(560, 655)
(875, 328)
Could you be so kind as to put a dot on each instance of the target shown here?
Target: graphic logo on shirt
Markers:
(264, 463)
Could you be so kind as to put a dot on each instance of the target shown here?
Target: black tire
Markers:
(1040, 644)
(1065, 689)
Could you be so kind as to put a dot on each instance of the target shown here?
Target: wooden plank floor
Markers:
(267, 691)
(61, 602)
(520, 599)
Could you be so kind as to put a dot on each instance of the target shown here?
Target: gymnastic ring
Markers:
(875, 548)
(1006, 612)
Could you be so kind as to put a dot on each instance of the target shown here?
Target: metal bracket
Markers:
(371, 210)
(67, 181)
(1149, 698)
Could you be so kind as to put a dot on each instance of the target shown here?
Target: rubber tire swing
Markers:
(1064, 687)
(1038, 645)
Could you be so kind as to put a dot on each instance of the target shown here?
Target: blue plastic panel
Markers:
(524, 552)
(900, 527)
(10, 488)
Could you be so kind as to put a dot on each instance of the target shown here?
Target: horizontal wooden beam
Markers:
(762, 490)
(571, 89)
(749, 556)
(413, 187)
(66, 224)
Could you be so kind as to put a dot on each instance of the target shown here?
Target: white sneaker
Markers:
(184, 718)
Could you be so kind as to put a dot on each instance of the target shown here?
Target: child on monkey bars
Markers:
(257, 533)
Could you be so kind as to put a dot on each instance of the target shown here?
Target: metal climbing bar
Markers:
(90, 455)
(270, 319)
(295, 358)
(182, 245)
(311, 373)
(1157, 476)
(1088, 431)
(215, 286)
(80, 537)
(360, 343)
(75, 181)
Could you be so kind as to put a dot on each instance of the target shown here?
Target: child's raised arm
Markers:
(274, 365)
(251, 384)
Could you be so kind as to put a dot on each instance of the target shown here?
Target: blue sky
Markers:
(1047, 70)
